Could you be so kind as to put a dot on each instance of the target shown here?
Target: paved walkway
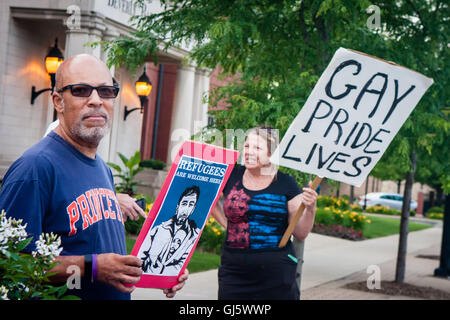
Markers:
(419, 272)
(331, 262)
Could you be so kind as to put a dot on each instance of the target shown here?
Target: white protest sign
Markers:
(353, 113)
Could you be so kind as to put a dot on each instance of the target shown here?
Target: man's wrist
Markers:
(88, 267)
(94, 267)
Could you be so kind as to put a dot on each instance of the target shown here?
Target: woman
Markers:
(259, 202)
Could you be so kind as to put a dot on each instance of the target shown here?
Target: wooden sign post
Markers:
(298, 215)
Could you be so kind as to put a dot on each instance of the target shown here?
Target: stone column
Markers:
(205, 89)
(200, 106)
(182, 116)
(107, 147)
(91, 29)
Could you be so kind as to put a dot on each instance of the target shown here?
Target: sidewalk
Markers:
(419, 272)
(332, 262)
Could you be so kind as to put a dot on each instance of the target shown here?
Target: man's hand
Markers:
(129, 207)
(118, 271)
(170, 293)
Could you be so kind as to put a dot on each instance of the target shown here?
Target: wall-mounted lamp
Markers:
(53, 60)
(143, 88)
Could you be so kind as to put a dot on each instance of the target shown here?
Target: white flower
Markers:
(3, 293)
(48, 245)
(11, 230)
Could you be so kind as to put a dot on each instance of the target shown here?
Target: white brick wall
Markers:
(22, 124)
(126, 135)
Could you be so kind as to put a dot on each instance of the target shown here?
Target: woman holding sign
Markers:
(259, 203)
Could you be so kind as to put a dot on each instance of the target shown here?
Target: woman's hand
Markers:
(129, 207)
(170, 293)
(309, 197)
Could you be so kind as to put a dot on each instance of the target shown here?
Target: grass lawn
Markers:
(382, 227)
(200, 261)
(379, 227)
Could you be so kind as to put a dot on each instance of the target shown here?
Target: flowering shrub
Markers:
(435, 213)
(346, 218)
(356, 207)
(213, 236)
(24, 276)
(337, 231)
(329, 201)
(386, 210)
(382, 210)
(436, 216)
(336, 217)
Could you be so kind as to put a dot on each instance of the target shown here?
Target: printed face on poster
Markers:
(173, 228)
(353, 113)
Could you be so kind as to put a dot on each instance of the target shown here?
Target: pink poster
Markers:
(173, 227)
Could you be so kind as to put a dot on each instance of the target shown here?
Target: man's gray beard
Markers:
(91, 136)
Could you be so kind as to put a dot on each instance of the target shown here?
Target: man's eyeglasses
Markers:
(85, 90)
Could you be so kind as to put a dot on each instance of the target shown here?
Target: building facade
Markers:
(174, 111)
(28, 28)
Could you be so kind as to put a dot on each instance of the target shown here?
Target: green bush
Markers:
(436, 216)
(133, 227)
(382, 210)
(435, 209)
(356, 207)
(152, 164)
(329, 201)
(386, 210)
(213, 237)
(333, 216)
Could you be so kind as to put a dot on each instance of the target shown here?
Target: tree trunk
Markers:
(365, 196)
(439, 195)
(444, 265)
(403, 240)
(352, 194)
(399, 182)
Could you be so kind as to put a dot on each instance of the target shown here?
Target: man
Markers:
(60, 185)
(172, 240)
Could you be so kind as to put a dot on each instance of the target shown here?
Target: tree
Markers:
(418, 32)
(280, 48)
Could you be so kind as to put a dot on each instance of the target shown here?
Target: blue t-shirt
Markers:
(55, 188)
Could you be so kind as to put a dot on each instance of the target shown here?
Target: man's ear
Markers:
(57, 102)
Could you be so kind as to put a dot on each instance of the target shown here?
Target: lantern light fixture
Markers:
(53, 60)
(143, 88)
